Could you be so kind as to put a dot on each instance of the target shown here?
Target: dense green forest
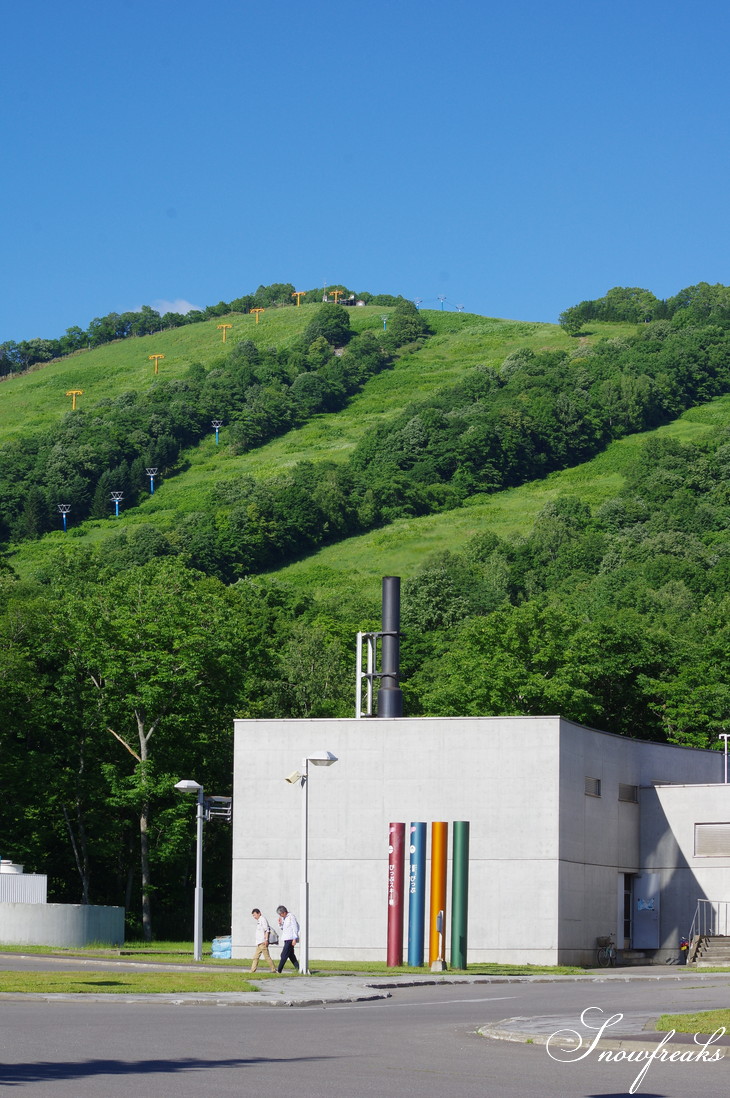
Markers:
(125, 662)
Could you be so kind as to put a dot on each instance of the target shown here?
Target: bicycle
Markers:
(606, 952)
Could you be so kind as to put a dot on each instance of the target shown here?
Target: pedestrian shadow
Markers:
(47, 1072)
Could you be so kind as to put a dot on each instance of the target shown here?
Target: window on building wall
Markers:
(628, 793)
(593, 787)
(712, 840)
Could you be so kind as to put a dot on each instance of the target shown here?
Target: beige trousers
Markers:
(262, 950)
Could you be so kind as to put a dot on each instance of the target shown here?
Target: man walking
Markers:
(263, 930)
(289, 937)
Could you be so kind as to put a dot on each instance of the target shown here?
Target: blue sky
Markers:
(516, 158)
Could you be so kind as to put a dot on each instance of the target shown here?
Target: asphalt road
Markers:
(422, 1041)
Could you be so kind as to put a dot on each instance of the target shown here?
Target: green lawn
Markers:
(705, 1021)
(121, 983)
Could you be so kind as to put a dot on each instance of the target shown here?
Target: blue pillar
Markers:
(416, 893)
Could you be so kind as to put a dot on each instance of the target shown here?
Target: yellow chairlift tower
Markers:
(73, 393)
(257, 311)
(224, 328)
(299, 294)
(156, 359)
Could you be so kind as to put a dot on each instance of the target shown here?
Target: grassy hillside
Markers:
(460, 341)
(37, 398)
(340, 572)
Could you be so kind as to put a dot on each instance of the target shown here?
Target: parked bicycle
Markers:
(606, 952)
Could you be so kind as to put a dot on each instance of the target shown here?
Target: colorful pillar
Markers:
(396, 852)
(439, 848)
(459, 893)
(416, 893)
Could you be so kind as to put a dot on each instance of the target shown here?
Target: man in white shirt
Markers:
(262, 941)
(289, 937)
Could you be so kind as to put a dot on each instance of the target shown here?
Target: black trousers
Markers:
(287, 954)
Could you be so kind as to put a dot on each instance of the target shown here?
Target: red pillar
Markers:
(396, 866)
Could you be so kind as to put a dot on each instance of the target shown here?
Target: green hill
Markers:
(460, 341)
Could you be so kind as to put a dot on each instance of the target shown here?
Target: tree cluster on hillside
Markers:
(695, 305)
(18, 356)
(107, 447)
(616, 619)
(497, 428)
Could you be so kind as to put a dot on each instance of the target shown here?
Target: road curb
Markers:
(500, 1032)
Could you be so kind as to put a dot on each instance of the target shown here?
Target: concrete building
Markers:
(575, 833)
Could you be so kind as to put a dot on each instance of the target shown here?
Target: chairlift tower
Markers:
(384, 318)
(152, 473)
(64, 509)
(117, 497)
(156, 359)
(256, 312)
(299, 294)
(73, 393)
(224, 328)
(442, 298)
(217, 424)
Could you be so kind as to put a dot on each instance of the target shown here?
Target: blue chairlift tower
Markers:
(116, 498)
(217, 423)
(152, 473)
(64, 509)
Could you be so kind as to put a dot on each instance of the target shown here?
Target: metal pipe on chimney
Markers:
(390, 696)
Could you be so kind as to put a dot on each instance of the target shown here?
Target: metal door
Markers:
(646, 911)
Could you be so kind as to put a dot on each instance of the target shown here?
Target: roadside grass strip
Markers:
(120, 983)
(703, 1021)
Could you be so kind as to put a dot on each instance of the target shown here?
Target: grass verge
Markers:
(703, 1021)
(121, 983)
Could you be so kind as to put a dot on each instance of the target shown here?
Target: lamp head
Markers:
(188, 786)
(322, 758)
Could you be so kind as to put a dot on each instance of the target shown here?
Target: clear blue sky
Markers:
(515, 157)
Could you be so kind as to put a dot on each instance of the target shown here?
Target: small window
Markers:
(593, 787)
(628, 793)
(712, 840)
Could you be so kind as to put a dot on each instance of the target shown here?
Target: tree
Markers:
(164, 651)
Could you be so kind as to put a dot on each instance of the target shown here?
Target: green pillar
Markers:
(459, 893)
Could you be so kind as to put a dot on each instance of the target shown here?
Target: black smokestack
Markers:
(390, 696)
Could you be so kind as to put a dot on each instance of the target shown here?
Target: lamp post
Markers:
(317, 758)
(187, 786)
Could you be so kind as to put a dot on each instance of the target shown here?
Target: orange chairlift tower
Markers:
(156, 359)
(257, 311)
(224, 328)
(299, 294)
(73, 393)
(337, 294)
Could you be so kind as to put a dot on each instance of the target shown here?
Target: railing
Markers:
(711, 920)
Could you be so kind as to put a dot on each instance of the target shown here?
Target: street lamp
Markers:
(317, 758)
(208, 808)
(187, 786)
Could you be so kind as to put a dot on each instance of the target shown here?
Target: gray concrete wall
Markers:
(60, 924)
(546, 861)
(669, 814)
(600, 836)
(501, 774)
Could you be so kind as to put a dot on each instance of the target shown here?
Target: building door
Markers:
(645, 923)
(627, 910)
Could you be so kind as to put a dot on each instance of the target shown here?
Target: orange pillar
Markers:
(439, 849)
